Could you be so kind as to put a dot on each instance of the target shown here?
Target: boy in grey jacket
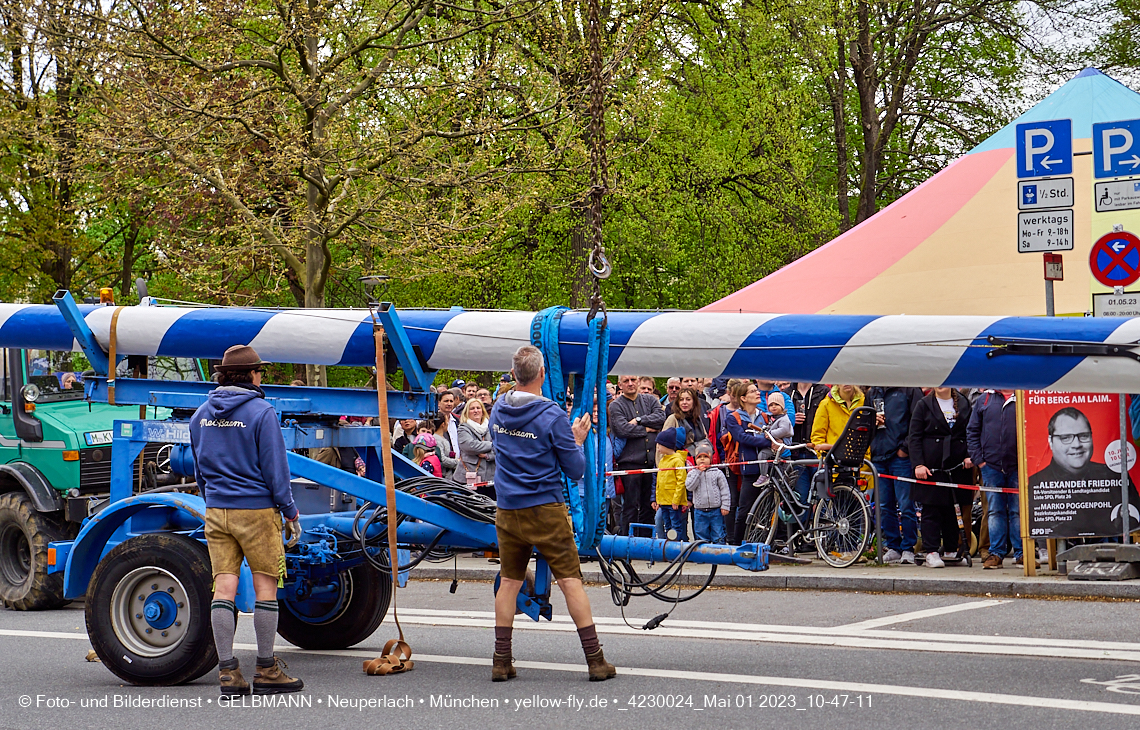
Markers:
(710, 497)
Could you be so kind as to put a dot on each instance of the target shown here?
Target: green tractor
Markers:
(55, 461)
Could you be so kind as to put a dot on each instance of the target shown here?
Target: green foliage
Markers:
(256, 153)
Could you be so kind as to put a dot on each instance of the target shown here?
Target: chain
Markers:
(599, 266)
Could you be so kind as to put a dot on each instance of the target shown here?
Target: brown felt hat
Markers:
(238, 358)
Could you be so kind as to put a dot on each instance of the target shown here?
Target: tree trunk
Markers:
(866, 83)
(578, 251)
(316, 265)
(130, 239)
(839, 119)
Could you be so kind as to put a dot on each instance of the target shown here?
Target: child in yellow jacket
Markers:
(672, 499)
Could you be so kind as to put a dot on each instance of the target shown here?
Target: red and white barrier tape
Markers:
(624, 472)
(973, 487)
(686, 467)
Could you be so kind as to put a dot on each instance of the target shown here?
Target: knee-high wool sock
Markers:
(223, 619)
(265, 626)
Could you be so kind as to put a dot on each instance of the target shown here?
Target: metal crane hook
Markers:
(599, 265)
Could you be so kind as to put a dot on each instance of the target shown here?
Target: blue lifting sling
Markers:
(586, 509)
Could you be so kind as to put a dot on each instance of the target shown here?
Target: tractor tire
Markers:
(344, 617)
(25, 583)
(148, 610)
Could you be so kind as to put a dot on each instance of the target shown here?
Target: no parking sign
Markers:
(1115, 259)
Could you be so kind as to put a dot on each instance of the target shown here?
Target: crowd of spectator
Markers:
(698, 437)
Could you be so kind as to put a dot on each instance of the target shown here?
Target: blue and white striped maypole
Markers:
(866, 350)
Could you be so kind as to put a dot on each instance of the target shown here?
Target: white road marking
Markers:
(793, 682)
(808, 635)
(916, 615)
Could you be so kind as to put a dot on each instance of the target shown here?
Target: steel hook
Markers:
(599, 265)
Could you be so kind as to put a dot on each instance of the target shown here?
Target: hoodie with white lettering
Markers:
(239, 453)
(534, 446)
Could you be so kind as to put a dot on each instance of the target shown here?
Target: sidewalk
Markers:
(861, 577)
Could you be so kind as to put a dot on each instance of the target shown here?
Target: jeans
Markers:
(803, 483)
(897, 506)
(709, 525)
(1005, 513)
(672, 519)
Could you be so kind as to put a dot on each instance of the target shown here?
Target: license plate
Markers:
(98, 438)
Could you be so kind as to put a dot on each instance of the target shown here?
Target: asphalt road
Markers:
(730, 659)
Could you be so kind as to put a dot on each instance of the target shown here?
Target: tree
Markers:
(39, 140)
(331, 131)
(909, 85)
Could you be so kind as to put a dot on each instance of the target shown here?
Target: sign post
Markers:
(1028, 544)
(1045, 203)
(1054, 271)
(1125, 433)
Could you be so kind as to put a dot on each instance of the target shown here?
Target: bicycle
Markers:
(840, 526)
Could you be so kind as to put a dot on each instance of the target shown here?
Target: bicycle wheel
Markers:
(842, 526)
(762, 518)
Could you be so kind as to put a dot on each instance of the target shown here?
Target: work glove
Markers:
(292, 532)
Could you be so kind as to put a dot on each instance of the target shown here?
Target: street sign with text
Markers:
(1112, 304)
(1045, 231)
(1045, 194)
(1117, 195)
(1045, 148)
(1116, 148)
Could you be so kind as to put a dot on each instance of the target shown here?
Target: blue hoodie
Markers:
(534, 446)
(239, 453)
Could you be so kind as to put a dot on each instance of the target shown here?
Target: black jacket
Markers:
(801, 432)
(638, 449)
(898, 404)
(940, 448)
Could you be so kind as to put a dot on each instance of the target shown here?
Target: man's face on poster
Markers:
(1071, 442)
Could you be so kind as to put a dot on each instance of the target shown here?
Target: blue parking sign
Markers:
(1116, 148)
(1045, 149)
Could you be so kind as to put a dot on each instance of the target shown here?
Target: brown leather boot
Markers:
(600, 669)
(272, 681)
(502, 667)
(232, 682)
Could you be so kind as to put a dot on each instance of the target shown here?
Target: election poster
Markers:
(1073, 459)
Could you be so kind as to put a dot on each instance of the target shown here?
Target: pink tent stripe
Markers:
(833, 271)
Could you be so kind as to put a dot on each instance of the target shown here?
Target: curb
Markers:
(1036, 588)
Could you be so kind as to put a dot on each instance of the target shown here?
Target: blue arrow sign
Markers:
(1045, 148)
(1116, 148)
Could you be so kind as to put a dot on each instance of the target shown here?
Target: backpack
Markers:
(432, 464)
(731, 446)
(714, 432)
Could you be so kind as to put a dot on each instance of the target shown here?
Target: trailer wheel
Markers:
(148, 610)
(338, 618)
(25, 583)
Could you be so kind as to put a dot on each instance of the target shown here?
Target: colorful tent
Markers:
(950, 245)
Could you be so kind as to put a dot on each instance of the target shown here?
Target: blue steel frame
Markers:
(70, 311)
(309, 421)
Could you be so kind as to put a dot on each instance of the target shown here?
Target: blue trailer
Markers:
(140, 557)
